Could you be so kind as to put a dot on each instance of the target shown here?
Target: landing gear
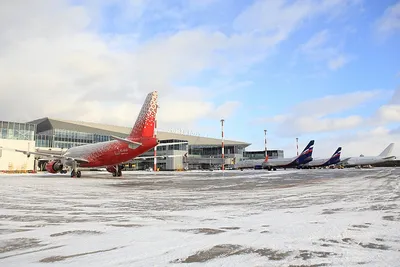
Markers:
(75, 172)
(117, 171)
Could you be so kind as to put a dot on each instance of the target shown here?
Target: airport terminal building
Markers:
(55, 136)
(18, 136)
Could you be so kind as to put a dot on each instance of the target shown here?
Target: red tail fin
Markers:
(145, 123)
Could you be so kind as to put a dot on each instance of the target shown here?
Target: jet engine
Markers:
(54, 166)
(111, 169)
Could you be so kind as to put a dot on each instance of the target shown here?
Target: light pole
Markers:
(265, 142)
(155, 148)
(223, 151)
(297, 145)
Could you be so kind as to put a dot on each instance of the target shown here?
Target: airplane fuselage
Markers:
(249, 163)
(108, 153)
(317, 163)
(285, 162)
(323, 162)
(359, 161)
(288, 162)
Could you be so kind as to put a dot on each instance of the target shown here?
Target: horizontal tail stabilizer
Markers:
(132, 144)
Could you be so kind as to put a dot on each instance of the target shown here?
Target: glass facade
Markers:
(275, 154)
(17, 131)
(182, 147)
(210, 150)
(60, 138)
(261, 154)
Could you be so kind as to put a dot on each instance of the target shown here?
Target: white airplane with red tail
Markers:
(112, 153)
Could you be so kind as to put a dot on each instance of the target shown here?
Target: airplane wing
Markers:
(28, 153)
(389, 158)
(60, 156)
(345, 160)
(134, 145)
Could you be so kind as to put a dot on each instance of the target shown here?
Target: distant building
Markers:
(16, 135)
(272, 154)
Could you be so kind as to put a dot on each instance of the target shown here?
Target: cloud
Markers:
(338, 62)
(326, 115)
(96, 61)
(333, 104)
(281, 17)
(389, 113)
(395, 131)
(395, 98)
(227, 109)
(368, 143)
(58, 66)
(315, 124)
(184, 111)
(311, 116)
(315, 42)
(389, 22)
(317, 49)
(201, 3)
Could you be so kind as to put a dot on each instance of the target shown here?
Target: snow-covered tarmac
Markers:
(251, 218)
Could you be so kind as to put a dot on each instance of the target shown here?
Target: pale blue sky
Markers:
(323, 70)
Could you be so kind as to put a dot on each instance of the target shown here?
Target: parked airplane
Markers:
(362, 160)
(335, 159)
(304, 158)
(112, 153)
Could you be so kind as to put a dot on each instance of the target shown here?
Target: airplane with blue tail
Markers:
(304, 158)
(273, 164)
(316, 163)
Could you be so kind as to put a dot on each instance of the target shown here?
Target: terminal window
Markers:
(17, 131)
